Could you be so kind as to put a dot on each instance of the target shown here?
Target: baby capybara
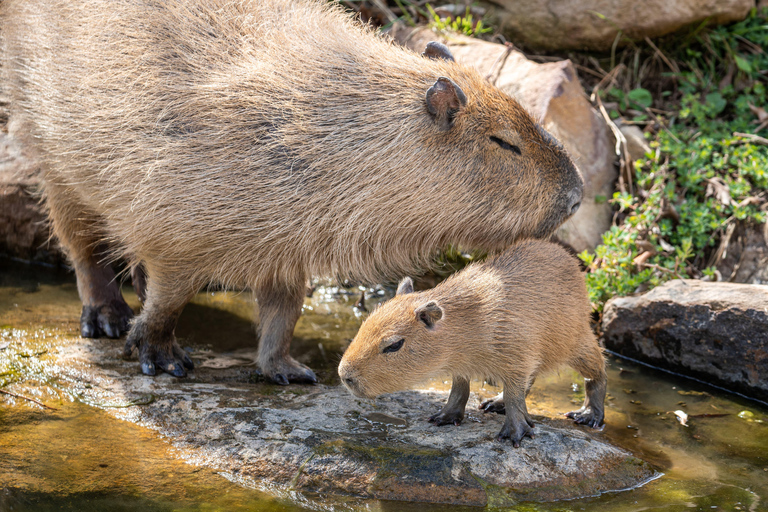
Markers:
(252, 144)
(519, 314)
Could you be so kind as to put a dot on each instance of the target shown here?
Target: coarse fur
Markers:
(256, 143)
(509, 319)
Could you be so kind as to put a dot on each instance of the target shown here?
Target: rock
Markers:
(637, 145)
(552, 94)
(745, 260)
(594, 24)
(321, 439)
(716, 332)
(24, 231)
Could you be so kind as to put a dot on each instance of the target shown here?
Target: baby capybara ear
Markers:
(429, 314)
(444, 100)
(436, 51)
(405, 286)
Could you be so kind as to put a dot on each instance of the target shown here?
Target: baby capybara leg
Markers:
(496, 404)
(591, 364)
(279, 310)
(518, 423)
(453, 411)
(105, 313)
(153, 331)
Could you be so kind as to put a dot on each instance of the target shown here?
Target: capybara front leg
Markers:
(153, 331)
(453, 411)
(518, 423)
(279, 310)
(590, 363)
(105, 312)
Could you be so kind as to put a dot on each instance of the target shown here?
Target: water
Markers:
(78, 457)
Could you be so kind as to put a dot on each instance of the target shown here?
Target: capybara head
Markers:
(512, 178)
(397, 346)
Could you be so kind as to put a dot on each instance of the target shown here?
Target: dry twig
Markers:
(41, 404)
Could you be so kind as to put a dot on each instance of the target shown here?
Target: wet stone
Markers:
(321, 439)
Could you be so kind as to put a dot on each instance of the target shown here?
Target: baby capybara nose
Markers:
(574, 199)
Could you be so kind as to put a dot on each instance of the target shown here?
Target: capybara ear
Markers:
(444, 100)
(429, 313)
(405, 286)
(435, 51)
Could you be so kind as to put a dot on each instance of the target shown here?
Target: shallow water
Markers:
(78, 457)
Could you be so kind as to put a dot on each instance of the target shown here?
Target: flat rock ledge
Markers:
(716, 332)
(319, 439)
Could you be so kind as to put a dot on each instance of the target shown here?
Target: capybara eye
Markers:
(506, 145)
(394, 347)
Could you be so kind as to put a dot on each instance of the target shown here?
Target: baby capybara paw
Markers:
(495, 404)
(586, 416)
(515, 432)
(450, 417)
(168, 357)
(111, 320)
(288, 370)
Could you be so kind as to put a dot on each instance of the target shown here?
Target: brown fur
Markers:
(509, 319)
(255, 143)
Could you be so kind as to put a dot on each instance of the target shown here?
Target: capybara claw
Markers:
(290, 371)
(447, 418)
(586, 416)
(148, 368)
(495, 404)
(110, 320)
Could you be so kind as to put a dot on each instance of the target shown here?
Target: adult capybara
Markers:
(255, 143)
(509, 319)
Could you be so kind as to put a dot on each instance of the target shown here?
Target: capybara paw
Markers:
(495, 404)
(515, 433)
(169, 358)
(586, 416)
(289, 370)
(111, 320)
(447, 418)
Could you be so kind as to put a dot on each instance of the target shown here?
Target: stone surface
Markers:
(321, 439)
(746, 258)
(717, 332)
(553, 95)
(637, 145)
(594, 24)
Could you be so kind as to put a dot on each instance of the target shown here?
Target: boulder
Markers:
(595, 24)
(716, 332)
(553, 95)
(24, 231)
(320, 439)
(745, 258)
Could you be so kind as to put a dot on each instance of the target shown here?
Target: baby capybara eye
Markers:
(395, 346)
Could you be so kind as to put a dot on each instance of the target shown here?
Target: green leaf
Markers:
(715, 102)
(641, 96)
(743, 64)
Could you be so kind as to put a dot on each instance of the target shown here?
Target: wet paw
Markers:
(111, 320)
(495, 404)
(289, 371)
(516, 432)
(586, 416)
(169, 357)
(447, 418)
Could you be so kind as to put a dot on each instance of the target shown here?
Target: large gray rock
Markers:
(24, 232)
(717, 332)
(551, 92)
(594, 24)
(321, 439)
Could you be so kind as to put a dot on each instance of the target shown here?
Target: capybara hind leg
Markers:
(496, 404)
(453, 411)
(591, 365)
(279, 310)
(518, 423)
(153, 331)
(105, 313)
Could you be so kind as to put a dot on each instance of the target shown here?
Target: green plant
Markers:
(701, 175)
(460, 24)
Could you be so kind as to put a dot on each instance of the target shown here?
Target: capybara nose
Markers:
(350, 381)
(574, 199)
